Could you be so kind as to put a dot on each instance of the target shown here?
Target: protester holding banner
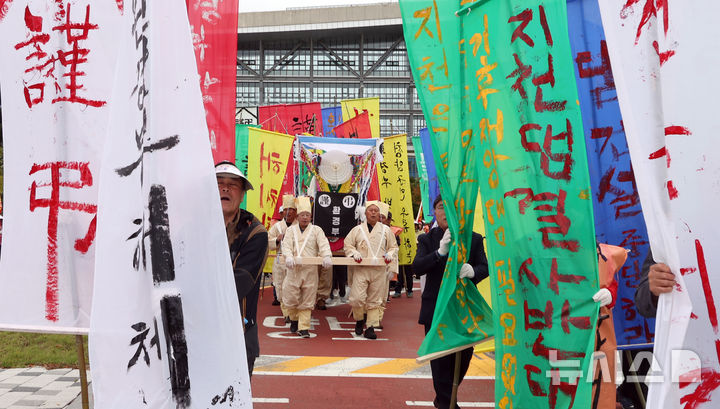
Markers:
(275, 237)
(248, 243)
(655, 279)
(301, 281)
(430, 259)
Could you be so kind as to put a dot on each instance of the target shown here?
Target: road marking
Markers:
(461, 404)
(301, 363)
(392, 367)
(271, 400)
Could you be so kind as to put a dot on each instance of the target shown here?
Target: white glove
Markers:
(388, 258)
(445, 243)
(390, 275)
(604, 297)
(289, 262)
(357, 257)
(466, 271)
(326, 263)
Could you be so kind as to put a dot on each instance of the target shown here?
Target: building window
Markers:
(331, 93)
(248, 94)
(392, 96)
(286, 93)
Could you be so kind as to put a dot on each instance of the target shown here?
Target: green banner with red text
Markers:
(515, 106)
(462, 317)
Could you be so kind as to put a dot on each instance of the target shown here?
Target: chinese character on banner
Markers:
(54, 205)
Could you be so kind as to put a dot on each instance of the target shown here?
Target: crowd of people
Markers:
(304, 276)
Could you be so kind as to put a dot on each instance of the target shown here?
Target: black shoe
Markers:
(396, 295)
(304, 333)
(287, 320)
(359, 327)
(320, 305)
(409, 294)
(370, 333)
(293, 326)
(276, 302)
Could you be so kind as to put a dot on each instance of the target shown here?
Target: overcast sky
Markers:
(269, 5)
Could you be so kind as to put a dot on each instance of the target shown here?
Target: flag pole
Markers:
(456, 380)
(83, 374)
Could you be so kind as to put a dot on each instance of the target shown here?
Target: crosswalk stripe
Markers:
(271, 400)
(461, 404)
(392, 367)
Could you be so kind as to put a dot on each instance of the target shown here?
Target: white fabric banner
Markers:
(56, 85)
(664, 71)
(166, 329)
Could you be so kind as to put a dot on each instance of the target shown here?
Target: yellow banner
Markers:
(394, 179)
(351, 107)
(268, 154)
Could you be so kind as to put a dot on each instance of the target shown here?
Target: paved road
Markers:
(333, 369)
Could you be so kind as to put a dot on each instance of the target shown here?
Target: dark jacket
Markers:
(248, 240)
(645, 300)
(428, 262)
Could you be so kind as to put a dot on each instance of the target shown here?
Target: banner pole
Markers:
(83, 374)
(456, 380)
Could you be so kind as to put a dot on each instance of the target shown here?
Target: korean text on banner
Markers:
(618, 215)
(56, 75)
(423, 176)
(461, 316)
(668, 118)
(268, 154)
(394, 179)
(354, 107)
(331, 118)
(166, 329)
(535, 189)
(214, 34)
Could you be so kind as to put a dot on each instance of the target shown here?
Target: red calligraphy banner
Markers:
(357, 127)
(292, 119)
(213, 25)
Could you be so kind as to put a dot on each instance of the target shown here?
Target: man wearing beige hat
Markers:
(369, 240)
(247, 239)
(301, 281)
(275, 238)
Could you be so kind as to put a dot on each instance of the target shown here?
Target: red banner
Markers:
(214, 34)
(357, 127)
(292, 119)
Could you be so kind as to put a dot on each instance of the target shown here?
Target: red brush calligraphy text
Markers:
(54, 205)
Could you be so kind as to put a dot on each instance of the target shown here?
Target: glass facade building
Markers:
(326, 55)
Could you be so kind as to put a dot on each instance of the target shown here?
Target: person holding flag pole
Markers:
(430, 260)
(275, 238)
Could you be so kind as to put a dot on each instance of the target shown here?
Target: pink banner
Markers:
(214, 32)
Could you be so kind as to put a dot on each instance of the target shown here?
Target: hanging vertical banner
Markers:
(432, 172)
(669, 121)
(268, 154)
(292, 119)
(461, 316)
(166, 329)
(331, 117)
(520, 108)
(423, 176)
(56, 77)
(214, 34)
(394, 181)
(616, 204)
(354, 107)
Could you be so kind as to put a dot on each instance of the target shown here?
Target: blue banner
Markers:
(331, 118)
(433, 184)
(618, 215)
